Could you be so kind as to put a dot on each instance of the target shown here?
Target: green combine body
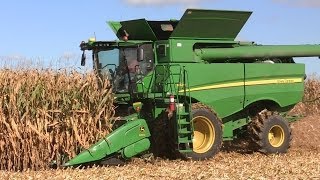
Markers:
(183, 87)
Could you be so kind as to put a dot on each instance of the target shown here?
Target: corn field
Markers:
(311, 101)
(46, 116)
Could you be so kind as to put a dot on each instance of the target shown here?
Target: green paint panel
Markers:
(136, 148)
(181, 50)
(138, 30)
(280, 88)
(210, 24)
(224, 100)
(115, 26)
(126, 135)
(230, 126)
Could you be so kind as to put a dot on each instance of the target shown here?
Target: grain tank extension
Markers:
(182, 87)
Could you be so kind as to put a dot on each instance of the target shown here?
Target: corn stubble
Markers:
(46, 116)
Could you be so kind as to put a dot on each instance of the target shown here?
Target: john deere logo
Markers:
(142, 133)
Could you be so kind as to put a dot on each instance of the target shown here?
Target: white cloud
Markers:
(162, 2)
(300, 3)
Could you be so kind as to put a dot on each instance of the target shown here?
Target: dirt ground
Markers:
(306, 134)
(301, 162)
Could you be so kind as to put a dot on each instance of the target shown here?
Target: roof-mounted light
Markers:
(91, 40)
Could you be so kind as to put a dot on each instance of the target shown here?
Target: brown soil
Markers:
(306, 134)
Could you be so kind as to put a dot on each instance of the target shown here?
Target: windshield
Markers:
(121, 66)
(108, 60)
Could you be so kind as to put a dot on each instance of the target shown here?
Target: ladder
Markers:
(173, 80)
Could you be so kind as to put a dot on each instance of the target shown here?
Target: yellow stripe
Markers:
(274, 81)
(249, 83)
(235, 84)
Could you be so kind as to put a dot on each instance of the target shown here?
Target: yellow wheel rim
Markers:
(203, 134)
(276, 136)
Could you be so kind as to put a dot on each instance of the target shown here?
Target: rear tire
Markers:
(270, 132)
(207, 139)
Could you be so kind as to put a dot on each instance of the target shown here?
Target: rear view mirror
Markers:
(83, 59)
(140, 54)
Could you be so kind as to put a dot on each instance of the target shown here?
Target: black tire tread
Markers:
(257, 132)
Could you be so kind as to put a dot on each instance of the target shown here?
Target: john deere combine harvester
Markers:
(183, 87)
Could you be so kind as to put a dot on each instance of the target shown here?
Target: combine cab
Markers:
(183, 87)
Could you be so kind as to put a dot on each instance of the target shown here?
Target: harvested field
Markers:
(306, 134)
(301, 162)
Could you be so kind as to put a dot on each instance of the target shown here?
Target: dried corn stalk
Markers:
(46, 115)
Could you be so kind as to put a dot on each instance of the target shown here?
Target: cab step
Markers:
(183, 122)
(185, 150)
(184, 131)
(185, 140)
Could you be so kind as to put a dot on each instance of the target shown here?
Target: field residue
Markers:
(301, 162)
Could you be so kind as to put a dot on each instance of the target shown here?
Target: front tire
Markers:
(207, 133)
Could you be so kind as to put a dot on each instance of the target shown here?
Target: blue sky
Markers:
(52, 30)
